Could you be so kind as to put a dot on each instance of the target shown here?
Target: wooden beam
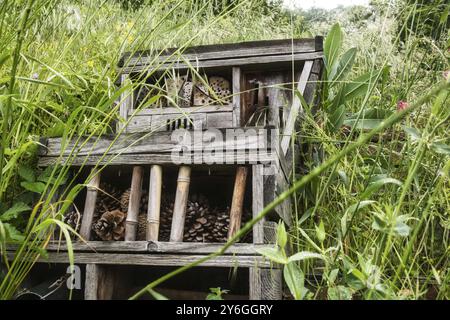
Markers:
(159, 259)
(296, 107)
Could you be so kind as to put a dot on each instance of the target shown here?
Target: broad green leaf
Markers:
(281, 235)
(295, 280)
(3, 58)
(12, 233)
(333, 45)
(376, 185)
(337, 118)
(273, 254)
(339, 293)
(27, 173)
(363, 124)
(303, 255)
(350, 211)
(37, 187)
(343, 67)
(320, 231)
(402, 229)
(359, 86)
(413, 133)
(332, 276)
(14, 211)
(441, 148)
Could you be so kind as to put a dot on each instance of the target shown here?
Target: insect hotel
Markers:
(203, 145)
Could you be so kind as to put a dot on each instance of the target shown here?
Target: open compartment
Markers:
(207, 215)
(190, 98)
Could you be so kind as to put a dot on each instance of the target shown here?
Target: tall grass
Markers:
(372, 205)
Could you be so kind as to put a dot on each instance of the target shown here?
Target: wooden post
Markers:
(238, 200)
(99, 283)
(154, 203)
(134, 204)
(265, 284)
(296, 106)
(236, 85)
(89, 206)
(126, 101)
(258, 201)
(179, 207)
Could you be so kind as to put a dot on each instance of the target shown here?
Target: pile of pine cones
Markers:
(203, 223)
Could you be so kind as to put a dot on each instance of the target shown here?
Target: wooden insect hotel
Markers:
(203, 145)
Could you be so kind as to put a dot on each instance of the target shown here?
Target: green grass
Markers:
(374, 205)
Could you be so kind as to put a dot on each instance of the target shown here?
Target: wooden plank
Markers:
(258, 202)
(265, 284)
(179, 206)
(296, 107)
(152, 259)
(181, 111)
(157, 142)
(237, 202)
(134, 203)
(247, 61)
(89, 206)
(155, 247)
(219, 120)
(223, 51)
(154, 203)
(229, 157)
(166, 122)
(237, 88)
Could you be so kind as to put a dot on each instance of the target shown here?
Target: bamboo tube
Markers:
(237, 202)
(89, 206)
(134, 204)
(154, 203)
(179, 207)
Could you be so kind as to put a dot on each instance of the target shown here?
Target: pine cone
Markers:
(73, 219)
(111, 225)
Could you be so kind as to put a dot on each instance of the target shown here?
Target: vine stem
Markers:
(393, 119)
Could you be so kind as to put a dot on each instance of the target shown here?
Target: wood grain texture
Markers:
(230, 157)
(223, 51)
(156, 259)
(296, 107)
(134, 203)
(159, 247)
(274, 59)
(265, 284)
(237, 202)
(179, 207)
(237, 101)
(125, 103)
(89, 205)
(154, 203)
(99, 283)
(154, 142)
(258, 202)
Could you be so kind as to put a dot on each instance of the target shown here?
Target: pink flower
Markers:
(446, 75)
(402, 105)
